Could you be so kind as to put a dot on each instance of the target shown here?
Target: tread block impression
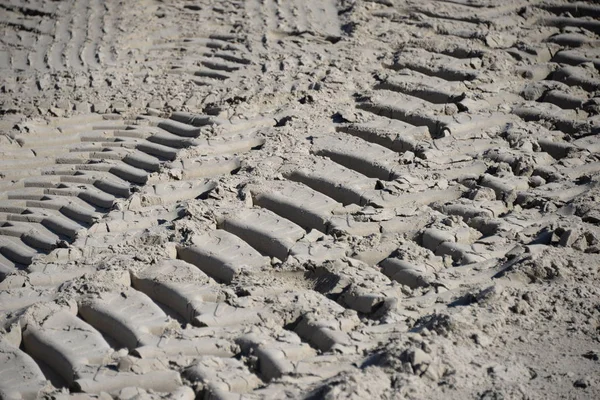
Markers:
(222, 255)
(298, 203)
(191, 293)
(265, 231)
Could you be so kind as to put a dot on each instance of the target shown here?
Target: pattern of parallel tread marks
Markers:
(581, 15)
(414, 111)
(220, 56)
(35, 235)
(92, 162)
(80, 354)
(70, 342)
(350, 187)
(566, 81)
(277, 237)
(410, 107)
(433, 146)
(58, 35)
(576, 9)
(16, 251)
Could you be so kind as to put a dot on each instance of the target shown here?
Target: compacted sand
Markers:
(299, 199)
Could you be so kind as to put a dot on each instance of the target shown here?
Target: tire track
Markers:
(164, 297)
(564, 83)
(453, 168)
(56, 35)
(79, 169)
(435, 107)
(219, 57)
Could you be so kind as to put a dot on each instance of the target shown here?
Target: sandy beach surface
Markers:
(316, 199)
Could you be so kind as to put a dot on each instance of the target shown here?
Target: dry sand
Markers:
(299, 199)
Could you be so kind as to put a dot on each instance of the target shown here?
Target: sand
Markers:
(299, 199)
